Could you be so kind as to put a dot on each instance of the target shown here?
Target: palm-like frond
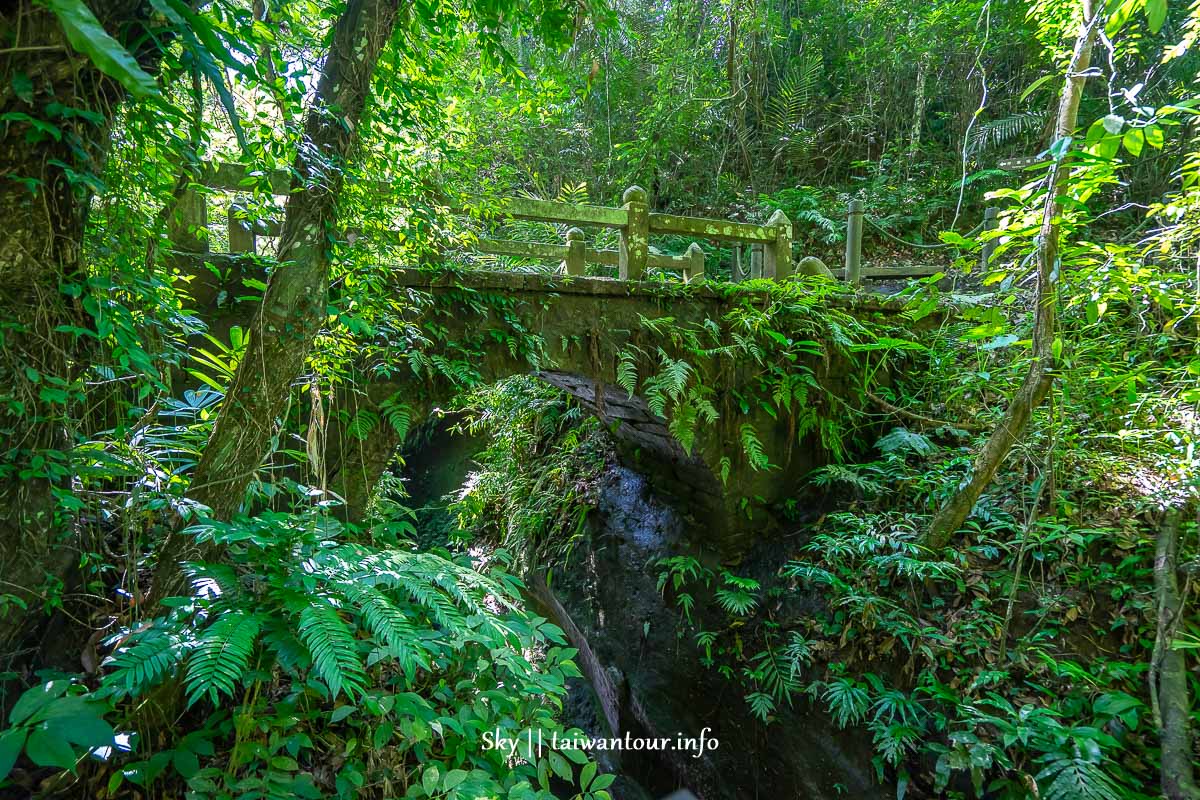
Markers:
(143, 660)
(789, 106)
(994, 133)
(1077, 779)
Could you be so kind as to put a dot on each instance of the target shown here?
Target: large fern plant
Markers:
(295, 597)
(298, 617)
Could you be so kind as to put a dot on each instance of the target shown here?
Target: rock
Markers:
(811, 265)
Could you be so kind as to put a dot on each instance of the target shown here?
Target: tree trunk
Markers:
(293, 308)
(40, 256)
(1040, 376)
(1168, 672)
(918, 120)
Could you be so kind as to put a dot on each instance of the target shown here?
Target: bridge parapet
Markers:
(770, 244)
(767, 246)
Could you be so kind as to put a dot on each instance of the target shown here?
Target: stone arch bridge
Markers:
(574, 331)
(571, 330)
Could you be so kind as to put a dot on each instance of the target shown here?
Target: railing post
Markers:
(778, 256)
(241, 232)
(695, 268)
(635, 236)
(756, 261)
(575, 252)
(854, 227)
(990, 223)
(187, 225)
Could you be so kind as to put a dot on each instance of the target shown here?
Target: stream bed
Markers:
(644, 680)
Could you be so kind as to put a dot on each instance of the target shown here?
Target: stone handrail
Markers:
(770, 244)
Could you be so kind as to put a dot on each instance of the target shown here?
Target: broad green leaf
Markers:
(430, 779)
(84, 729)
(35, 699)
(560, 766)
(1154, 136)
(453, 778)
(1107, 147)
(186, 763)
(1033, 87)
(48, 750)
(1121, 16)
(11, 742)
(1133, 141)
(1060, 148)
(577, 756)
(585, 777)
(603, 781)
(1113, 123)
(87, 35)
(1156, 14)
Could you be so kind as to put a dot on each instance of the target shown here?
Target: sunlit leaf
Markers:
(87, 35)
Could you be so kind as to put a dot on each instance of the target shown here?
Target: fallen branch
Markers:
(928, 422)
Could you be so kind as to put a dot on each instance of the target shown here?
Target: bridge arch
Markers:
(572, 333)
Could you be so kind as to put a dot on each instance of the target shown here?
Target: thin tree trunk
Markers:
(918, 120)
(1168, 671)
(41, 253)
(1038, 380)
(293, 308)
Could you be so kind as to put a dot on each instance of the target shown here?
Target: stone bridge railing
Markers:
(767, 247)
(770, 244)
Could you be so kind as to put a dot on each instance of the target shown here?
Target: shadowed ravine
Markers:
(642, 678)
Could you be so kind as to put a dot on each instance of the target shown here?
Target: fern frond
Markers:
(221, 656)
(332, 646)
(788, 106)
(753, 448)
(848, 702)
(365, 421)
(904, 439)
(143, 661)
(761, 705)
(627, 376)
(1077, 779)
(389, 625)
(398, 414)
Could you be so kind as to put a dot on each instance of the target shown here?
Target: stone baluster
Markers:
(777, 261)
(187, 227)
(694, 271)
(635, 236)
(576, 252)
(241, 231)
(854, 228)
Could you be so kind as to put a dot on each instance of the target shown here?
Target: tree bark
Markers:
(1168, 671)
(1036, 386)
(293, 309)
(40, 256)
(918, 120)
